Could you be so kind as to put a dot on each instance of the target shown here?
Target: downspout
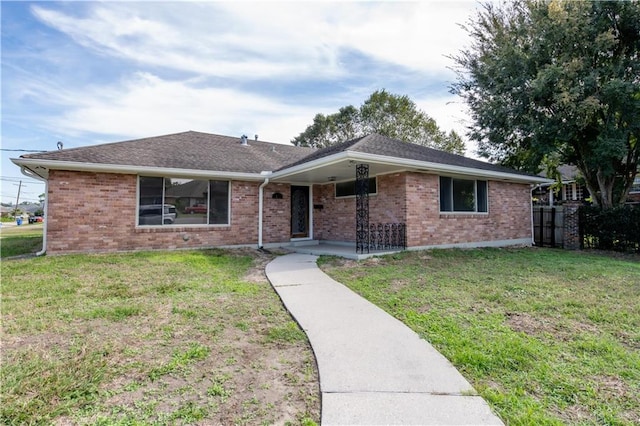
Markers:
(46, 219)
(533, 234)
(260, 204)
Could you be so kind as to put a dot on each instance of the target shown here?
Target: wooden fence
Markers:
(548, 226)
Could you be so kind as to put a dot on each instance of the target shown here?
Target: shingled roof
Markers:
(215, 153)
(188, 150)
(381, 145)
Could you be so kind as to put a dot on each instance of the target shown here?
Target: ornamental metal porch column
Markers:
(362, 208)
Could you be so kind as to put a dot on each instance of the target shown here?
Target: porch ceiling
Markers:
(337, 171)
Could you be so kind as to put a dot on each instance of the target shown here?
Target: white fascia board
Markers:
(33, 163)
(407, 163)
(446, 168)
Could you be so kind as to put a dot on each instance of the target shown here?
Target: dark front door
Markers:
(299, 211)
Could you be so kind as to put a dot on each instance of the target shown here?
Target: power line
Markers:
(14, 179)
(22, 150)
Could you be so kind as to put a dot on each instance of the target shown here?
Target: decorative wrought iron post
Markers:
(362, 208)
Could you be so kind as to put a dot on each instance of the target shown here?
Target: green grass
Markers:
(546, 336)
(150, 338)
(20, 240)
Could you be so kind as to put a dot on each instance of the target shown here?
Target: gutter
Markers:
(46, 207)
(34, 163)
(260, 207)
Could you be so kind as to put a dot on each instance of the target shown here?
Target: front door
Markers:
(299, 211)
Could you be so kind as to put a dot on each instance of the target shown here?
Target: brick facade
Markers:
(413, 198)
(509, 216)
(276, 225)
(337, 220)
(96, 212)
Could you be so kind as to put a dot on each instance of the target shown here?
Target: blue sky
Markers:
(93, 72)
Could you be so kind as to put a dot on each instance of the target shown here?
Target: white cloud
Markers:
(146, 105)
(241, 41)
(451, 114)
(267, 39)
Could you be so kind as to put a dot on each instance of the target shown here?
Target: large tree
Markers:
(385, 113)
(551, 82)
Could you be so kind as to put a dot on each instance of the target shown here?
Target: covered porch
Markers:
(336, 248)
(326, 218)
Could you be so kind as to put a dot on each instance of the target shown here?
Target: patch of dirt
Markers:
(256, 273)
(528, 324)
(376, 260)
(523, 322)
(612, 386)
(575, 414)
(397, 284)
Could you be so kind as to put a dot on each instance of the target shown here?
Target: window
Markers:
(463, 195)
(348, 188)
(171, 201)
(635, 188)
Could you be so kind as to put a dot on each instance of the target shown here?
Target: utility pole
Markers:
(15, 211)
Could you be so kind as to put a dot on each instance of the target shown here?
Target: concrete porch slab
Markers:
(348, 251)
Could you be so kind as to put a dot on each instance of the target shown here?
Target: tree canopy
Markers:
(557, 82)
(384, 113)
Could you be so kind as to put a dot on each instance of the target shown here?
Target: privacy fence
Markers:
(574, 226)
(613, 229)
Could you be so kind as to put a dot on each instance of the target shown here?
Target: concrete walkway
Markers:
(373, 369)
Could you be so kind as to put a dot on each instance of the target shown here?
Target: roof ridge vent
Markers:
(243, 140)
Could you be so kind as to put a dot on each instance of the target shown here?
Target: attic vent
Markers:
(256, 137)
(243, 140)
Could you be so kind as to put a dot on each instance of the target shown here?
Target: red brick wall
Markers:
(337, 220)
(95, 212)
(276, 225)
(414, 198)
(509, 214)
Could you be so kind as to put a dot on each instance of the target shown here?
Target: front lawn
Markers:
(19, 240)
(546, 336)
(189, 337)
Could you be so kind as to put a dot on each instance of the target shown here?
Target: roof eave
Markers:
(448, 168)
(311, 165)
(410, 164)
(41, 168)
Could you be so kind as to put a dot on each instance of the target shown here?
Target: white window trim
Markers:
(475, 187)
(183, 225)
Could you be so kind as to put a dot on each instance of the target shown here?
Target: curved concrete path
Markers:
(373, 369)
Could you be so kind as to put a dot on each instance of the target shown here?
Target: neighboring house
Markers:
(572, 190)
(547, 194)
(6, 211)
(634, 193)
(265, 194)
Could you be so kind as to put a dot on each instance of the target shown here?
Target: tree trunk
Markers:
(605, 184)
